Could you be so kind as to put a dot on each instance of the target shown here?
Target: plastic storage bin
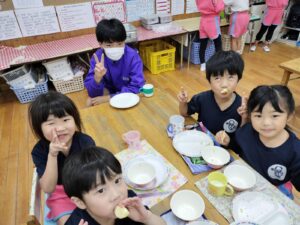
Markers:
(158, 56)
(26, 95)
(195, 48)
(150, 26)
(69, 85)
(20, 77)
(165, 18)
(131, 33)
(150, 19)
(16, 73)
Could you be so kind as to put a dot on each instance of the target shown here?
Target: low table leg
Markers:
(181, 52)
(285, 77)
(189, 49)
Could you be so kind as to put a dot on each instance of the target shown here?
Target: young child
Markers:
(209, 26)
(56, 122)
(93, 180)
(217, 108)
(272, 18)
(239, 21)
(115, 67)
(266, 143)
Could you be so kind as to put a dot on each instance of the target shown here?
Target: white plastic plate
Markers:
(124, 100)
(259, 208)
(190, 142)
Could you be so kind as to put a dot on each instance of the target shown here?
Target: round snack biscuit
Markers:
(224, 91)
(121, 212)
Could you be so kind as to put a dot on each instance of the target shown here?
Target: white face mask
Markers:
(114, 53)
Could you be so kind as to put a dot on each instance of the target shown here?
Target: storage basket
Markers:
(195, 48)
(158, 56)
(69, 85)
(59, 68)
(26, 95)
(226, 42)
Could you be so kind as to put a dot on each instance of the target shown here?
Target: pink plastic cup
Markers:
(132, 138)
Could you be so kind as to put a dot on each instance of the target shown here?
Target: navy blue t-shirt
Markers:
(41, 150)
(79, 214)
(213, 118)
(278, 165)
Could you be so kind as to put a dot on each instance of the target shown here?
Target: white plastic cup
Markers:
(147, 90)
(176, 124)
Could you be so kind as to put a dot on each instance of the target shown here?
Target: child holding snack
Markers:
(218, 108)
(115, 67)
(93, 180)
(55, 120)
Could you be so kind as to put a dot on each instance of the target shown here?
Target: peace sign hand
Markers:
(99, 70)
(242, 110)
(55, 145)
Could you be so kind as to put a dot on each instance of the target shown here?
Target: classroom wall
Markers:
(8, 5)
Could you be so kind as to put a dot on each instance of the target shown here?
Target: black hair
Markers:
(278, 95)
(55, 103)
(110, 30)
(222, 61)
(82, 169)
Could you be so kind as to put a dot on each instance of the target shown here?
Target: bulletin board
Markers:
(8, 5)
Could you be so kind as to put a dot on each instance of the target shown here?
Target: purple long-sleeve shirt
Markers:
(124, 75)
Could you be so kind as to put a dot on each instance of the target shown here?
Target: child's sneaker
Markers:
(253, 48)
(266, 48)
(203, 67)
(239, 52)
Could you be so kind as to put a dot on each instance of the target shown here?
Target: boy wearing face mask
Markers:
(115, 67)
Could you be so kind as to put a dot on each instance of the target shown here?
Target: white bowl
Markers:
(240, 177)
(215, 156)
(141, 174)
(187, 205)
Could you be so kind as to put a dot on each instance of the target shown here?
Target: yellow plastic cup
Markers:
(218, 185)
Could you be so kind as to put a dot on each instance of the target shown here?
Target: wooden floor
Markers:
(16, 139)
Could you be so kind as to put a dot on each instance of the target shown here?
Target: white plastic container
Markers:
(165, 18)
(59, 69)
(150, 19)
(150, 26)
(131, 32)
(15, 74)
(25, 81)
(22, 77)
